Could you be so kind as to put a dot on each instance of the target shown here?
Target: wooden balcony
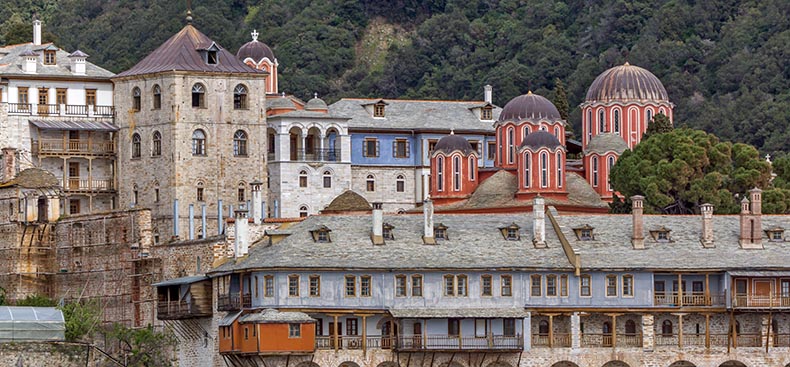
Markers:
(80, 185)
(61, 147)
(33, 109)
(761, 301)
(610, 341)
(716, 340)
(673, 299)
(354, 342)
(490, 343)
(175, 310)
(230, 302)
(557, 340)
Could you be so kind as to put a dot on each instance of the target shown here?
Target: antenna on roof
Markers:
(189, 11)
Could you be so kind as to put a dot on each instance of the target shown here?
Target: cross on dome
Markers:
(255, 34)
(315, 94)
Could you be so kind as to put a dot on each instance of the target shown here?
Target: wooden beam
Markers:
(708, 301)
(707, 331)
(614, 330)
(680, 331)
(337, 332)
(551, 331)
(680, 289)
(364, 335)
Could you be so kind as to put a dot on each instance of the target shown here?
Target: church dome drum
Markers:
(540, 139)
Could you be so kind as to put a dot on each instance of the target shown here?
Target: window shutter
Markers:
(364, 148)
(394, 148)
(408, 149)
(377, 148)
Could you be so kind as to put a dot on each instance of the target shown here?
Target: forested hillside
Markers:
(725, 63)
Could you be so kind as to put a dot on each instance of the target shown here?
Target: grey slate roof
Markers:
(180, 281)
(474, 242)
(443, 313)
(272, 316)
(612, 245)
(83, 125)
(415, 115)
(607, 142)
(12, 58)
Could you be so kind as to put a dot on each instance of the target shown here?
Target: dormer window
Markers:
(511, 232)
(212, 58)
(49, 57)
(440, 232)
(321, 235)
(387, 231)
(487, 113)
(775, 234)
(378, 110)
(584, 233)
(661, 234)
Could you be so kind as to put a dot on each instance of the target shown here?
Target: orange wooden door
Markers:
(762, 292)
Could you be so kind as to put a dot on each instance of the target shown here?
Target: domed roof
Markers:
(451, 143)
(606, 142)
(348, 201)
(279, 103)
(626, 83)
(256, 50)
(529, 107)
(315, 104)
(540, 139)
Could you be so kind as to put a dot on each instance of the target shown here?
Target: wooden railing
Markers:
(761, 301)
(688, 299)
(450, 342)
(74, 146)
(353, 342)
(716, 340)
(608, 341)
(87, 185)
(558, 340)
(227, 302)
(176, 310)
(48, 109)
(781, 340)
(750, 340)
(60, 110)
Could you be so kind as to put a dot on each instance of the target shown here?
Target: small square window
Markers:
(440, 233)
(378, 110)
(294, 330)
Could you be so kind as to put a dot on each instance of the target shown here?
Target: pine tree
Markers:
(561, 102)
(658, 125)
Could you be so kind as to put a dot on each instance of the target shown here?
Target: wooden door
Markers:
(335, 327)
(294, 147)
(762, 292)
(74, 175)
(417, 339)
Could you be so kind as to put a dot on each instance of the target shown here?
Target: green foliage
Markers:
(723, 62)
(36, 301)
(658, 125)
(561, 102)
(2, 296)
(681, 169)
(82, 319)
(144, 347)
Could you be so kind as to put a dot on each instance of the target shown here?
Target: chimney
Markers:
(637, 208)
(175, 218)
(707, 225)
(377, 235)
(751, 221)
(256, 207)
(37, 32)
(427, 210)
(539, 222)
(9, 163)
(488, 93)
(78, 62)
(241, 241)
(30, 60)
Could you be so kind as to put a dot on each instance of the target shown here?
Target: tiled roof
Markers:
(181, 53)
(272, 316)
(12, 58)
(443, 313)
(83, 125)
(33, 178)
(606, 142)
(415, 115)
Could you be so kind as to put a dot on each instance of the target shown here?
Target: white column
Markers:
(576, 337)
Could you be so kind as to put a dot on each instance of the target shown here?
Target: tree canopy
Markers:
(681, 169)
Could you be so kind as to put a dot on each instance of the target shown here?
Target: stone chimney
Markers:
(427, 211)
(9, 164)
(241, 241)
(488, 93)
(539, 222)
(637, 209)
(707, 225)
(256, 207)
(377, 234)
(37, 32)
(751, 221)
(78, 62)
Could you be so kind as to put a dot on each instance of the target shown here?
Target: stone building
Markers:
(192, 134)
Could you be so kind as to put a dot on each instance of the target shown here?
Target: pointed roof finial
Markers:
(452, 131)
(626, 64)
(283, 94)
(315, 94)
(254, 34)
(529, 92)
(189, 11)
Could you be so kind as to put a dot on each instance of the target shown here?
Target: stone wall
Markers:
(385, 186)
(31, 354)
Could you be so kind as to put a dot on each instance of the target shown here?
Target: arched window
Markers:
(559, 169)
(198, 95)
(609, 165)
(589, 124)
(557, 132)
(601, 121)
(525, 132)
(136, 145)
(527, 171)
(649, 116)
(472, 166)
(595, 171)
(400, 183)
(157, 97)
(135, 195)
(511, 145)
(661, 111)
(630, 327)
(240, 97)
(199, 191)
(440, 173)
(198, 142)
(302, 178)
(543, 328)
(370, 183)
(616, 121)
(327, 179)
(156, 144)
(303, 211)
(241, 192)
(240, 143)
(544, 169)
(136, 99)
(456, 173)
(666, 328)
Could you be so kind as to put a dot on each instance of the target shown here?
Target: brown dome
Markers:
(451, 143)
(528, 107)
(540, 139)
(255, 50)
(626, 83)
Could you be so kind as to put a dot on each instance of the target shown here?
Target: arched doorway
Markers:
(389, 333)
(616, 364)
(732, 364)
(682, 364)
(565, 364)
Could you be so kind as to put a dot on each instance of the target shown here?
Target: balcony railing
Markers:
(608, 340)
(449, 342)
(76, 184)
(761, 301)
(58, 147)
(673, 299)
(781, 340)
(177, 310)
(228, 302)
(33, 109)
(716, 340)
(558, 340)
(750, 340)
(354, 342)
(316, 155)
